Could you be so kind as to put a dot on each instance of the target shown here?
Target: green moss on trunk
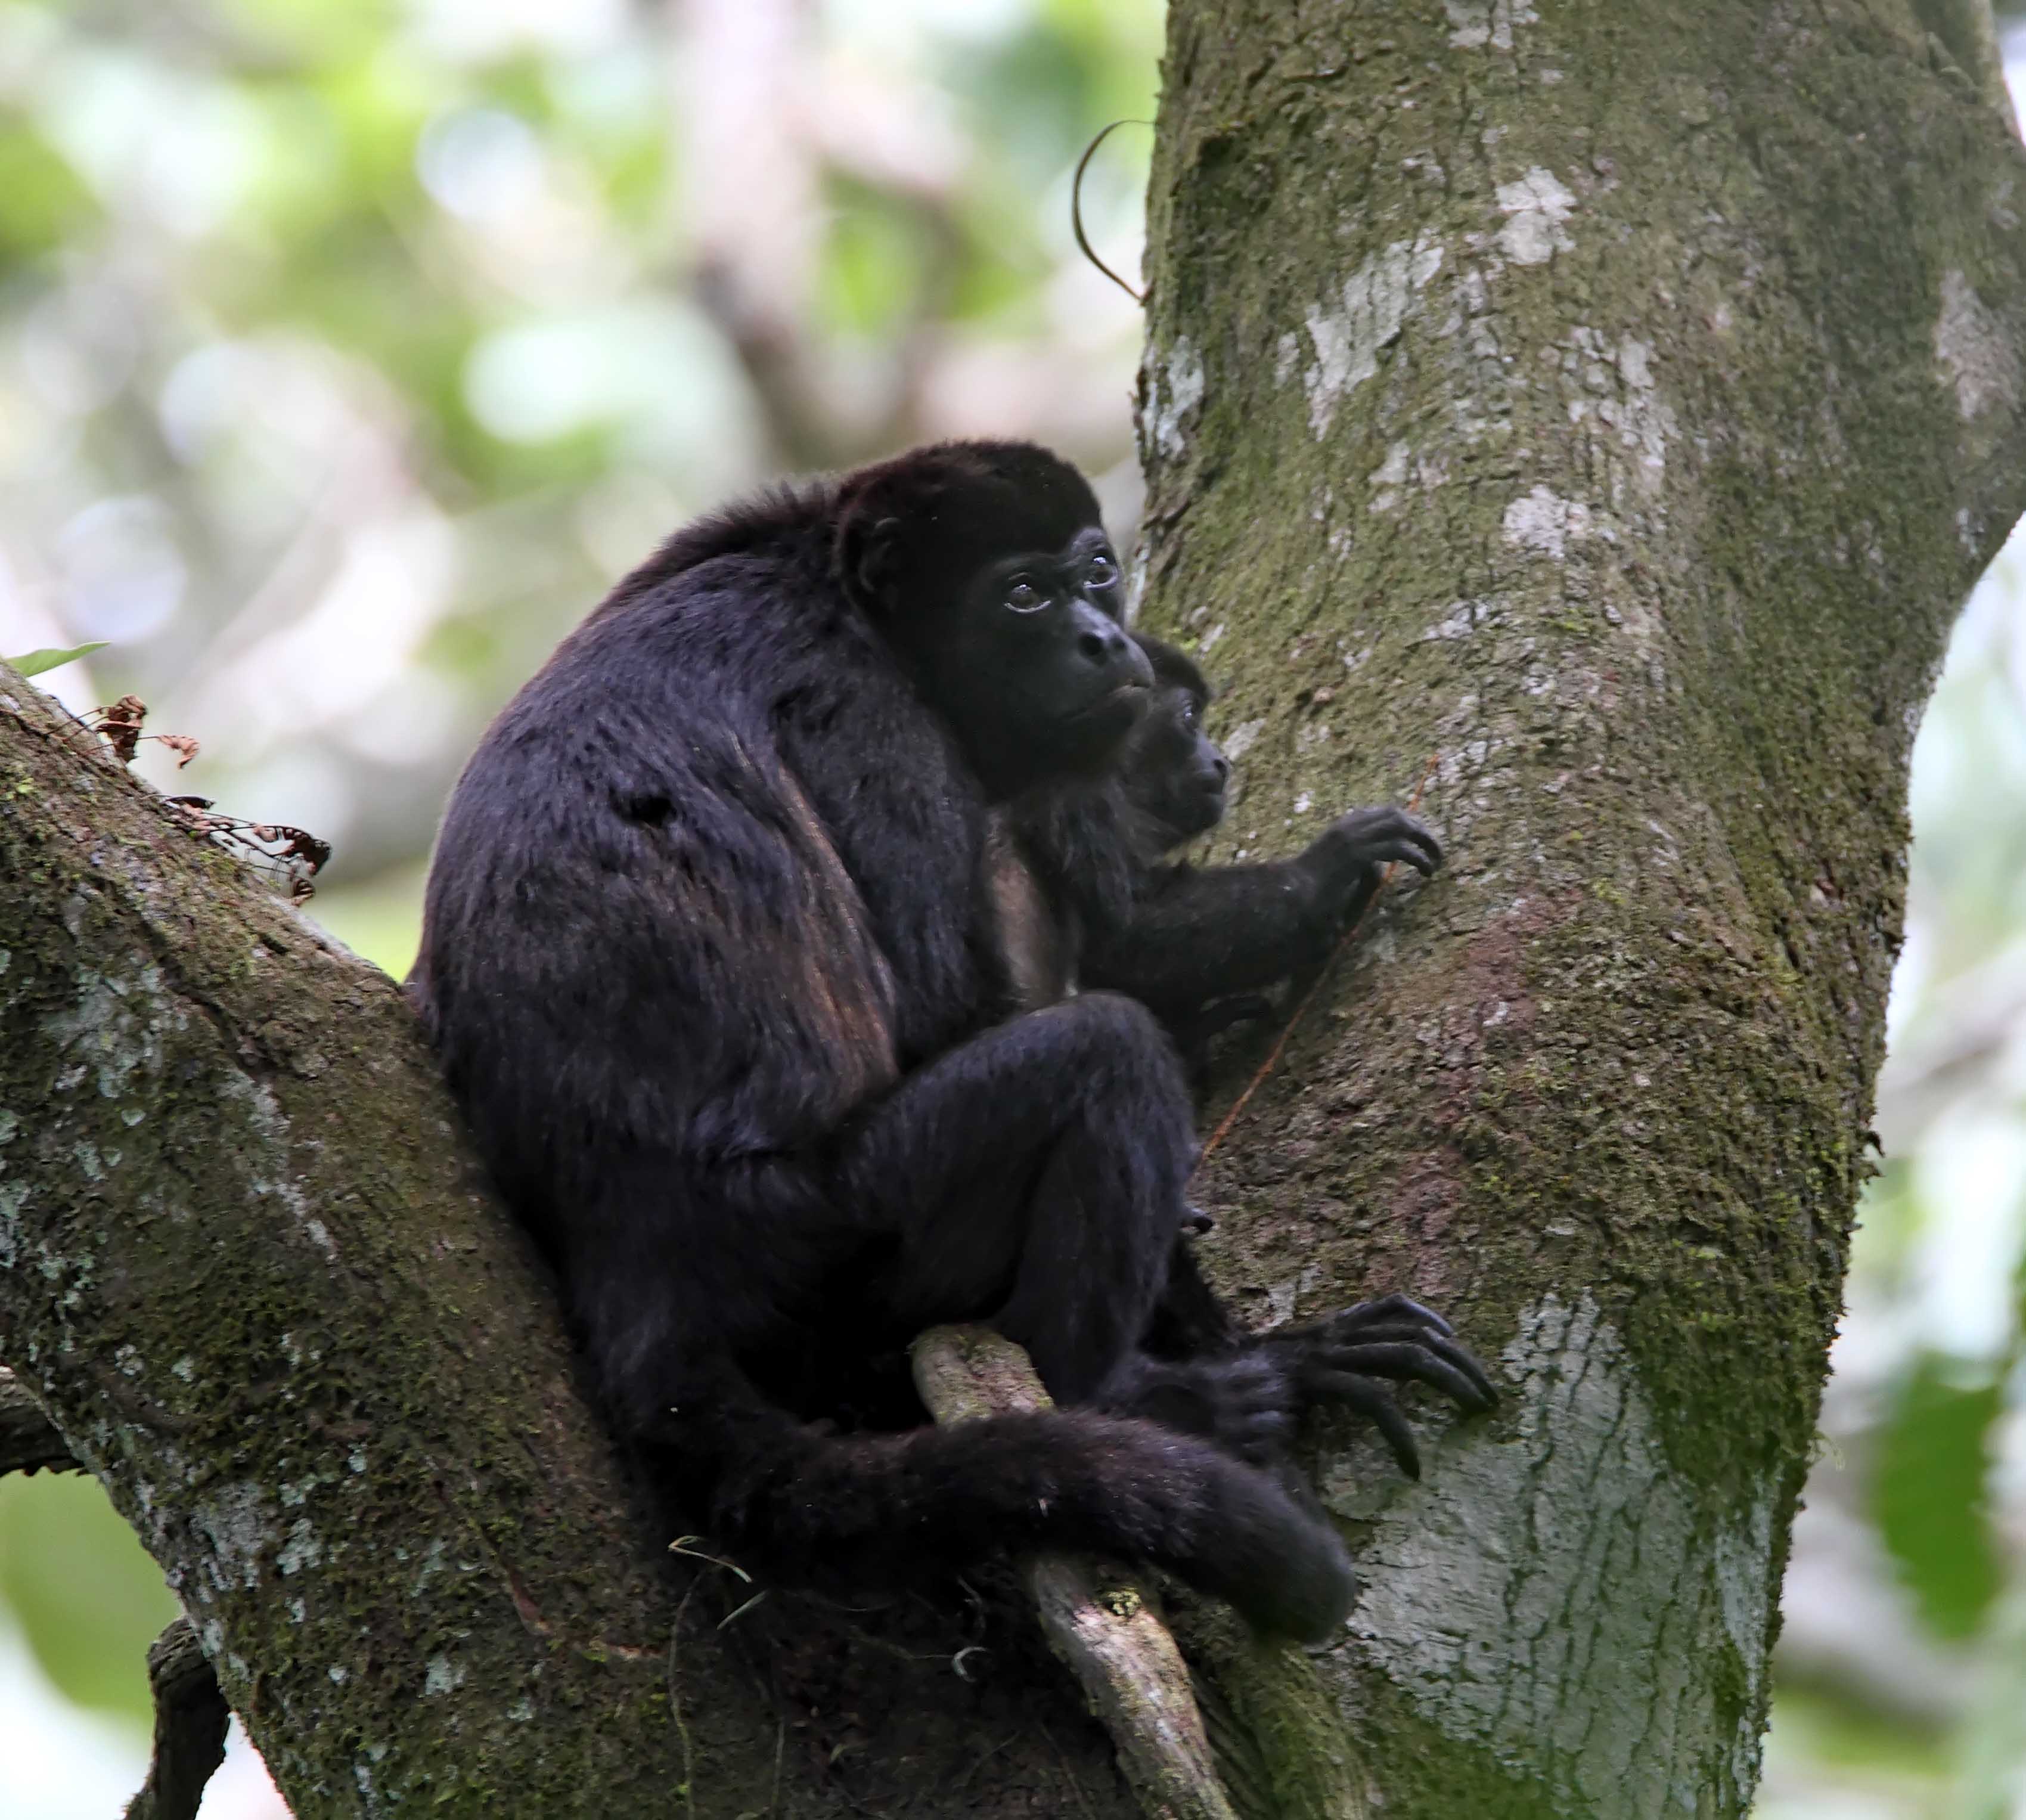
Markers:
(1586, 419)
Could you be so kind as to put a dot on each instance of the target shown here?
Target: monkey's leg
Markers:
(1035, 1176)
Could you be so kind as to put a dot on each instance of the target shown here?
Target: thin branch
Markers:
(29, 1442)
(1075, 209)
(1101, 1623)
(191, 1718)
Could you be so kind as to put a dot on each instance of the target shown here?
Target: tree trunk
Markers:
(1643, 561)
(1595, 414)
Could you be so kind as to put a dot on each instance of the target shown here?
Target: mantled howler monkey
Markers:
(712, 958)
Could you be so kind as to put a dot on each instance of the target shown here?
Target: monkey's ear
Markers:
(868, 560)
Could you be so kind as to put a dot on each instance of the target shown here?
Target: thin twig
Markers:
(1315, 985)
(675, 1697)
(1075, 209)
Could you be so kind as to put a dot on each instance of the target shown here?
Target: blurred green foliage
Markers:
(1934, 1454)
(83, 1590)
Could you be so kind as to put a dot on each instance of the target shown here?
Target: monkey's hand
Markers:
(1344, 863)
(1343, 1358)
(1192, 1029)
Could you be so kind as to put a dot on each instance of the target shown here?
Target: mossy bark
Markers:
(1589, 417)
(249, 1267)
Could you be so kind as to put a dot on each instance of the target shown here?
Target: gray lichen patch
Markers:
(1977, 355)
(1174, 394)
(1348, 331)
(115, 1025)
(1535, 205)
(239, 1528)
(1475, 25)
(1555, 1598)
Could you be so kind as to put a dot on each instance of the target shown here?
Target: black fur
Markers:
(1180, 940)
(1196, 944)
(712, 959)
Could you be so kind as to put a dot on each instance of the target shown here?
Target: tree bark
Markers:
(1596, 413)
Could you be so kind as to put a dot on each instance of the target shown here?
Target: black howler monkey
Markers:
(713, 957)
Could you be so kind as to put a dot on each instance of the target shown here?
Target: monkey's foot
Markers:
(1346, 1358)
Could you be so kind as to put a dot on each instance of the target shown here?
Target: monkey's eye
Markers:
(1102, 572)
(1191, 713)
(1023, 596)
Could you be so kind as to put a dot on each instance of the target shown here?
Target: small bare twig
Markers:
(1102, 1622)
(120, 725)
(191, 1718)
(1076, 209)
(290, 858)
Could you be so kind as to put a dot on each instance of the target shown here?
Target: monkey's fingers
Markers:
(1221, 1013)
(1385, 1309)
(1384, 835)
(1419, 832)
(1401, 852)
(1452, 1371)
(1372, 1401)
(1391, 1321)
(1259, 1436)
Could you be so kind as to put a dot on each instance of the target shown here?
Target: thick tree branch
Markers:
(251, 1273)
(191, 1721)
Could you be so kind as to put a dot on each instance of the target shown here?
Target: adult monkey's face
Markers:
(1034, 656)
(987, 568)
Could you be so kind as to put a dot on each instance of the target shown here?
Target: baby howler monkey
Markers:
(1194, 943)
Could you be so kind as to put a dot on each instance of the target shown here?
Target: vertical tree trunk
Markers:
(1595, 414)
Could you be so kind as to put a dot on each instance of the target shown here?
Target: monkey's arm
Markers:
(1191, 936)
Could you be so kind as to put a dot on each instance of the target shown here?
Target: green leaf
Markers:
(1929, 1494)
(33, 663)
